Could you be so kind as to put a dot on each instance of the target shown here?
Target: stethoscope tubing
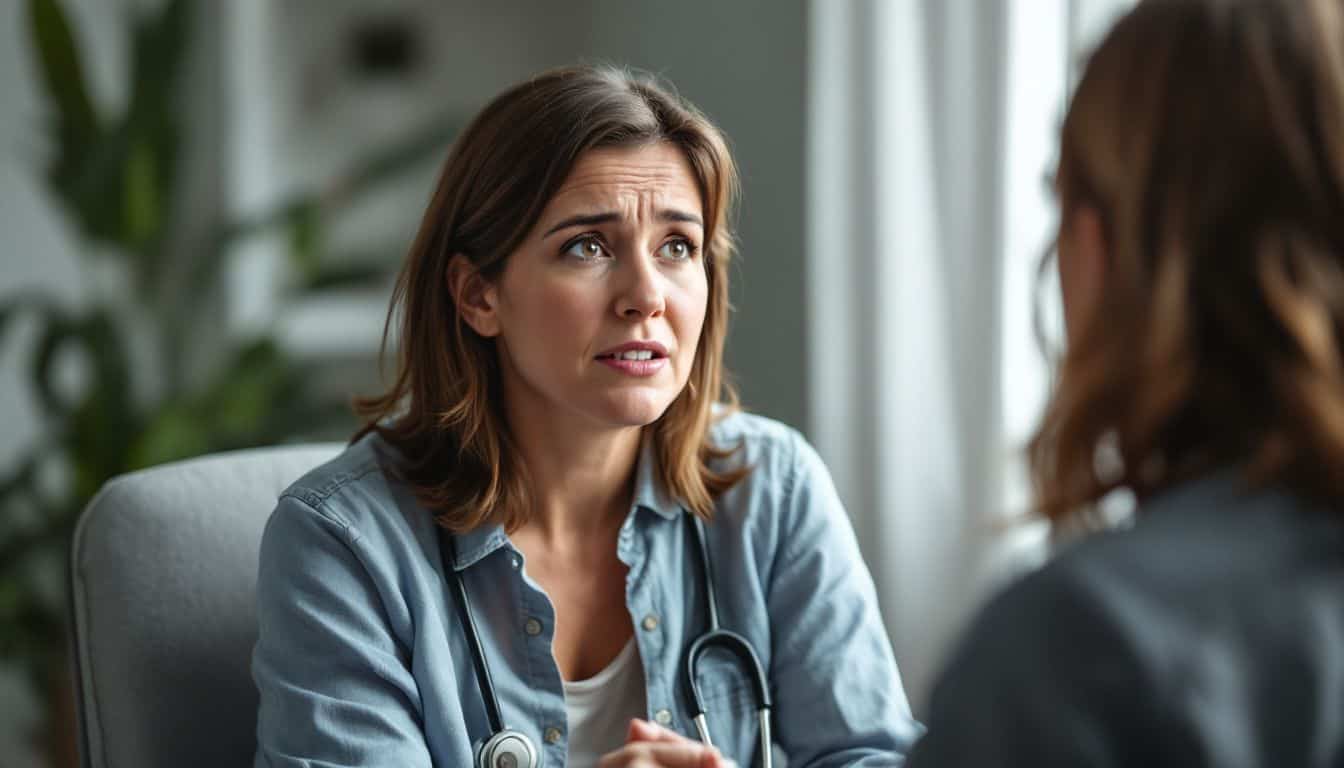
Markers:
(714, 637)
(733, 643)
(483, 679)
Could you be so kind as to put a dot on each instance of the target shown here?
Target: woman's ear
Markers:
(475, 297)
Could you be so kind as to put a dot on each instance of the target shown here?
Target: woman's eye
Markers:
(585, 249)
(677, 250)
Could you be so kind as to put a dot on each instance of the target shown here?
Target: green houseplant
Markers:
(147, 389)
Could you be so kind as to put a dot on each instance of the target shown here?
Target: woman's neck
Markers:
(581, 480)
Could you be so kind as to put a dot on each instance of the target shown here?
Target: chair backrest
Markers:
(164, 567)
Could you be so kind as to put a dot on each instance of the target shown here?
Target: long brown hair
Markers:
(1209, 136)
(443, 412)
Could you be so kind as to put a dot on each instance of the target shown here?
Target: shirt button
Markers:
(515, 562)
(650, 622)
(532, 627)
(663, 717)
(552, 735)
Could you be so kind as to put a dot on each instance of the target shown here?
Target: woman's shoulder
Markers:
(356, 491)
(1213, 585)
(351, 466)
(1113, 585)
(787, 494)
(1053, 641)
(1201, 550)
(774, 450)
(1045, 669)
(731, 426)
(1192, 571)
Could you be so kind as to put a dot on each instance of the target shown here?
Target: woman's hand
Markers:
(651, 746)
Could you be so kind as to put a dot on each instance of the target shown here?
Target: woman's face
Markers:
(597, 314)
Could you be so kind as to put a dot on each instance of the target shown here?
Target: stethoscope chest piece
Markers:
(507, 749)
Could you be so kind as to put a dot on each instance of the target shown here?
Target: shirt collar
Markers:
(466, 549)
(650, 493)
(1215, 488)
(474, 545)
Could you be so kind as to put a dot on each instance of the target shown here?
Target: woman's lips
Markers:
(639, 368)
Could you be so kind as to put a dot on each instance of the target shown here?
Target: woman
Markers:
(1201, 255)
(541, 472)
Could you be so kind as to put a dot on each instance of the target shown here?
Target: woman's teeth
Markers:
(634, 354)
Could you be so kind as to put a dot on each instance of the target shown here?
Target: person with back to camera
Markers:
(556, 542)
(1201, 256)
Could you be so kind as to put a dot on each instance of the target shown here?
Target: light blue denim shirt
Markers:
(361, 659)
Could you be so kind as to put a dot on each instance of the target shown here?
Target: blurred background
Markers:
(203, 203)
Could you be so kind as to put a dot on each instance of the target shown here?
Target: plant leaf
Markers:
(100, 429)
(63, 77)
(241, 407)
(158, 44)
(384, 163)
(98, 422)
(410, 152)
(349, 274)
(305, 239)
(94, 198)
(58, 329)
(247, 389)
(175, 431)
(142, 217)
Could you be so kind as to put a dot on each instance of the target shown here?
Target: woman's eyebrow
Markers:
(583, 220)
(672, 214)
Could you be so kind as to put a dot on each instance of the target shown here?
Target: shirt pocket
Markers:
(730, 706)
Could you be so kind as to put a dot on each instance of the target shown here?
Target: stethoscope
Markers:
(509, 748)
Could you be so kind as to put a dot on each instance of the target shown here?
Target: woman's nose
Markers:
(641, 292)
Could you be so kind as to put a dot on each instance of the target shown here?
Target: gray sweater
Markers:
(1209, 634)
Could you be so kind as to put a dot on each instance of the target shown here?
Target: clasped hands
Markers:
(648, 745)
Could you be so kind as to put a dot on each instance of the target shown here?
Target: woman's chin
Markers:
(635, 409)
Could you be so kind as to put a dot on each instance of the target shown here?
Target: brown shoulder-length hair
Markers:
(443, 413)
(1209, 136)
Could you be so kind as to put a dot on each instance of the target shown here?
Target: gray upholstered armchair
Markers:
(164, 566)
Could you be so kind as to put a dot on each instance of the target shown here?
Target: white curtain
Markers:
(931, 129)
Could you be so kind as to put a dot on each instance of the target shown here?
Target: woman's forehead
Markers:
(615, 175)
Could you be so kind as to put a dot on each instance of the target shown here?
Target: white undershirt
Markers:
(599, 708)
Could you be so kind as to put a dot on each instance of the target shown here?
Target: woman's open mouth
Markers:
(639, 358)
